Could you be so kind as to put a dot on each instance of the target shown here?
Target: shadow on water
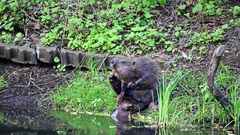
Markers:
(27, 122)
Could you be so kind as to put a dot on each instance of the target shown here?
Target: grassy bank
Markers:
(88, 92)
(183, 99)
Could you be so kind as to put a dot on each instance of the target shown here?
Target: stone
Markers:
(46, 54)
(24, 54)
(73, 58)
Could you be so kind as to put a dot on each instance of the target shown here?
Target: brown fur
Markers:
(139, 78)
(141, 72)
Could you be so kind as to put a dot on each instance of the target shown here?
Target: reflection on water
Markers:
(28, 122)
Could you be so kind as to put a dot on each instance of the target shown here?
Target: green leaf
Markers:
(177, 34)
(162, 2)
(197, 8)
(182, 7)
(56, 59)
(169, 49)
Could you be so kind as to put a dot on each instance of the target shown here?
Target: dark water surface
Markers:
(33, 122)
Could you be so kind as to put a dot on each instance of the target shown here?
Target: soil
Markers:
(28, 86)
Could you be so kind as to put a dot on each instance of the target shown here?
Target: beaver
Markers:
(135, 82)
(139, 73)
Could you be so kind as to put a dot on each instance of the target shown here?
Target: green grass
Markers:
(166, 115)
(184, 98)
(2, 118)
(2, 82)
(89, 91)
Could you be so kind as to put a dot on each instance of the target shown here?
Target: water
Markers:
(34, 122)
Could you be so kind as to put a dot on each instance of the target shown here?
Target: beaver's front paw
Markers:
(131, 85)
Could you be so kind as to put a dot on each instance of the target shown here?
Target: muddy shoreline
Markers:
(28, 86)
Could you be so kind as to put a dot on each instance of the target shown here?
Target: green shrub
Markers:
(236, 10)
(208, 7)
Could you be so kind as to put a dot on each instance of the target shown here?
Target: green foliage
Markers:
(18, 38)
(113, 27)
(56, 59)
(208, 7)
(204, 38)
(53, 35)
(232, 86)
(2, 118)
(12, 12)
(166, 112)
(162, 2)
(6, 37)
(50, 12)
(2, 82)
(146, 38)
(191, 102)
(59, 67)
(102, 39)
(237, 22)
(236, 10)
(89, 91)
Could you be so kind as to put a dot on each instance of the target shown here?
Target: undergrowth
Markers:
(192, 101)
(184, 98)
(117, 27)
(88, 92)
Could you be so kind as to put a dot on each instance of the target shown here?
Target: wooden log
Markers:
(218, 95)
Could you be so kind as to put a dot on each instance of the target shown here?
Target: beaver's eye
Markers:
(133, 63)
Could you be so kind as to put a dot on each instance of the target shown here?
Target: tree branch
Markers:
(222, 99)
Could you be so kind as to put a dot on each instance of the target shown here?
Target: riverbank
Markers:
(182, 34)
(89, 92)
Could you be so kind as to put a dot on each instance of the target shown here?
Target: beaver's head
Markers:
(124, 68)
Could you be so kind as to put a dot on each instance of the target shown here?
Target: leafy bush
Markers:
(208, 7)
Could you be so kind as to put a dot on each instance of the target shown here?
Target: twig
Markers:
(37, 86)
(103, 62)
(26, 14)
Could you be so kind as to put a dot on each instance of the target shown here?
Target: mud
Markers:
(28, 85)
